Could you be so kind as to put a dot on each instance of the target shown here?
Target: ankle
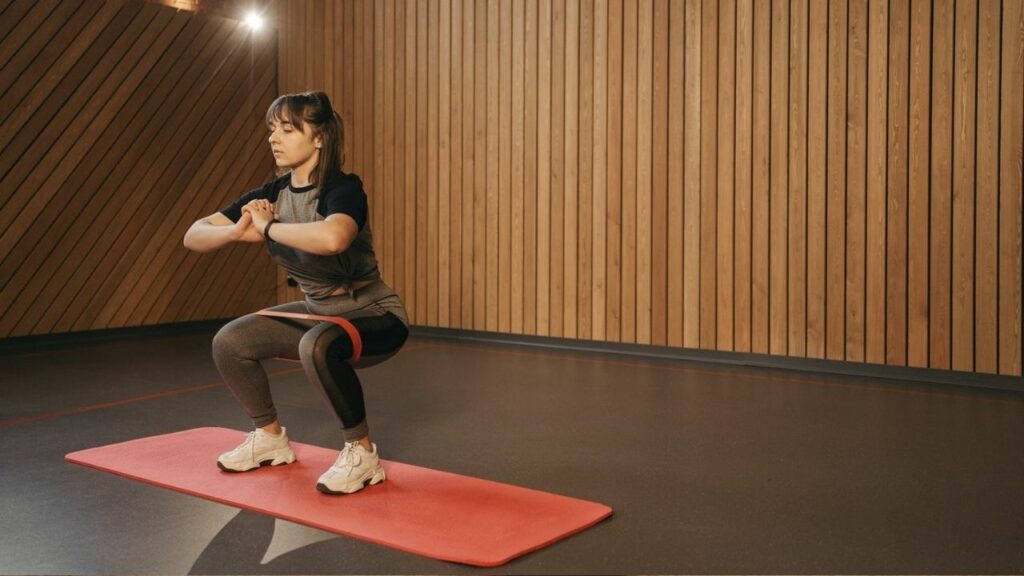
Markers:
(273, 429)
(365, 443)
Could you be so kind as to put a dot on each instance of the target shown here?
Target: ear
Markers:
(318, 142)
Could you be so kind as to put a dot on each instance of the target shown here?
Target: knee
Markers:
(323, 341)
(227, 342)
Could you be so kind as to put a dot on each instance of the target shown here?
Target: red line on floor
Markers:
(90, 407)
(166, 394)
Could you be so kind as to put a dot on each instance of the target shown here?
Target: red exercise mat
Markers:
(436, 514)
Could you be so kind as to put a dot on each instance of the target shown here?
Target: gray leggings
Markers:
(324, 349)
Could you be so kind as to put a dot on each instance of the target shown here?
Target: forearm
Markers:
(312, 237)
(204, 237)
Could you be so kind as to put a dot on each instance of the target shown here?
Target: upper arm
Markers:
(346, 197)
(343, 230)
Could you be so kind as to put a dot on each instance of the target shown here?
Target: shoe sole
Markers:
(375, 479)
(279, 461)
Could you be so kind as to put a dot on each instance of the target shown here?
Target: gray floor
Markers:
(710, 469)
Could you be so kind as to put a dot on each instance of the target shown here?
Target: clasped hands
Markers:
(256, 214)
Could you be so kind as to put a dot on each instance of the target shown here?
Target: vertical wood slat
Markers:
(480, 169)
(456, 86)
(584, 272)
(644, 137)
(599, 165)
(875, 231)
(503, 213)
(442, 222)
(570, 205)
(759, 241)
(691, 175)
(386, 180)
(796, 334)
(778, 201)
(963, 208)
(613, 316)
(676, 111)
(856, 179)
(518, 238)
(742, 174)
(986, 239)
(544, 62)
(898, 183)
(941, 186)
(411, 151)
(421, 188)
(917, 189)
(432, 232)
(1011, 178)
(725, 174)
(817, 185)
(708, 173)
(629, 171)
(659, 175)
(493, 190)
(835, 205)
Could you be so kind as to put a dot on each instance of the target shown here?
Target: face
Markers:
(293, 148)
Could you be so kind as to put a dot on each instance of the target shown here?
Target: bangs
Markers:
(288, 109)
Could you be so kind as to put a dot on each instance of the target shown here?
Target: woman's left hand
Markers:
(262, 212)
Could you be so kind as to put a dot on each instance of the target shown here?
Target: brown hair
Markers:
(314, 109)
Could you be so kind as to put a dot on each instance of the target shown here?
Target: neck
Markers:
(301, 173)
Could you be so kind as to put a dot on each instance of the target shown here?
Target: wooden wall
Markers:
(122, 123)
(832, 179)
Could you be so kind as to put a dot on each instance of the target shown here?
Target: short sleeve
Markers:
(268, 191)
(347, 197)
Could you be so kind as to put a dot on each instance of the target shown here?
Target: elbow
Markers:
(337, 246)
(190, 241)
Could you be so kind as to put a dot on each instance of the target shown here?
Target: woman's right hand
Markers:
(217, 230)
(242, 226)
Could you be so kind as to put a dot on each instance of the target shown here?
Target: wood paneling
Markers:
(128, 121)
(836, 179)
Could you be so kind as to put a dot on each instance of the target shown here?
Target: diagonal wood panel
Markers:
(136, 119)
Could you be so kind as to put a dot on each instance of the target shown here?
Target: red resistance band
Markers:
(353, 334)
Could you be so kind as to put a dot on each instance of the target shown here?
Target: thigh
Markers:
(257, 337)
(381, 335)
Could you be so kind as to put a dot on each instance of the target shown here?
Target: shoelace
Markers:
(348, 455)
(250, 443)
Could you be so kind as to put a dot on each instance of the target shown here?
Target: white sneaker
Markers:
(260, 448)
(355, 468)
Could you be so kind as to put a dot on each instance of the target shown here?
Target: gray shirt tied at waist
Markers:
(320, 275)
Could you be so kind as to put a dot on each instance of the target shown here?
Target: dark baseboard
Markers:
(922, 375)
(50, 341)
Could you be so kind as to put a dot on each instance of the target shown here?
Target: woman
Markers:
(315, 222)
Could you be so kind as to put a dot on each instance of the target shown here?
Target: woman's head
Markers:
(305, 131)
